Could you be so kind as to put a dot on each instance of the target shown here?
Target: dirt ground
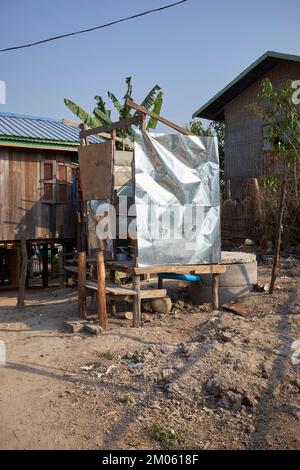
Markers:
(190, 380)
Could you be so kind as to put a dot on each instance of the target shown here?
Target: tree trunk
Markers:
(278, 236)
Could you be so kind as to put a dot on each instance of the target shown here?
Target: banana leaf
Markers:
(101, 116)
(86, 118)
(115, 101)
(149, 101)
(102, 105)
(152, 124)
(128, 94)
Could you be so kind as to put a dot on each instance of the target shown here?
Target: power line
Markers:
(61, 36)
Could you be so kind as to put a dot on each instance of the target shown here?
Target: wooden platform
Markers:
(128, 267)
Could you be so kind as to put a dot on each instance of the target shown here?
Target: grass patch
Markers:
(170, 439)
(127, 398)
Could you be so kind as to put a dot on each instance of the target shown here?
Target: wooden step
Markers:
(111, 289)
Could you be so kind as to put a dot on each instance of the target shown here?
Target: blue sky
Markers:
(191, 51)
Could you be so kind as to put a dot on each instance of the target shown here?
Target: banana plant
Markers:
(102, 115)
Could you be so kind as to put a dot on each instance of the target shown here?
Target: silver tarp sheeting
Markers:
(177, 196)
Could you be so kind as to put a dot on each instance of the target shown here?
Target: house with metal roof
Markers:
(38, 162)
(246, 137)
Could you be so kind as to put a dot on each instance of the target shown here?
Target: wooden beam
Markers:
(101, 290)
(81, 284)
(45, 274)
(171, 124)
(104, 135)
(215, 291)
(23, 273)
(135, 120)
(153, 293)
(136, 284)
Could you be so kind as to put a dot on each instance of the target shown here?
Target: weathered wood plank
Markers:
(165, 121)
(135, 120)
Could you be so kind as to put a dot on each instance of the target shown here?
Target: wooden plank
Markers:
(136, 284)
(165, 121)
(95, 162)
(81, 284)
(215, 291)
(71, 269)
(135, 120)
(123, 158)
(104, 135)
(102, 313)
(154, 293)
(111, 289)
(45, 274)
(128, 267)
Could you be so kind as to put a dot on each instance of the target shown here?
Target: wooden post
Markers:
(81, 284)
(278, 237)
(160, 283)
(137, 301)
(215, 291)
(22, 276)
(61, 268)
(45, 266)
(101, 290)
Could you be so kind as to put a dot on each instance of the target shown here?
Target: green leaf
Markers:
(150, 99)
(115, 101)
(102, 116)
(86, 118)
(128, 94)
(156, 109)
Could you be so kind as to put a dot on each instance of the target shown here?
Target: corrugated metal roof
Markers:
(35, 129)
(214, 108)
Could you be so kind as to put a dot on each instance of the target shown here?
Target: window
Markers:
(55, 185)
(48, 182)
(62, 188)
(267, 146)
(62, 192)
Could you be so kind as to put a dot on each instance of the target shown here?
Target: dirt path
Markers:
(194, 380)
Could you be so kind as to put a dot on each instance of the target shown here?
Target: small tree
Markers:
(214, 129)
(278, 110)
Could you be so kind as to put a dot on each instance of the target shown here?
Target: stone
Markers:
(224, 403)
(75, 325)
(93, 329)
(250, 429)
(172, 389)
(213, 387)
(266, 370)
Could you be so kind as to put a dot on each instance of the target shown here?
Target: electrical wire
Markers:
(61, 36)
